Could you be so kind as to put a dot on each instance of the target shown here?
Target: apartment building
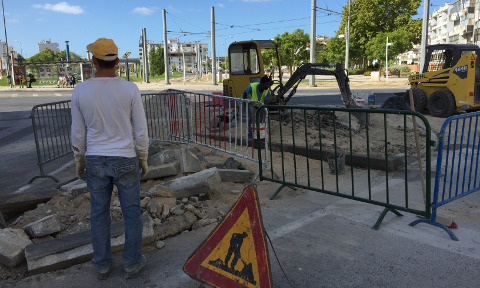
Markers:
(453, 23)
(177, 50)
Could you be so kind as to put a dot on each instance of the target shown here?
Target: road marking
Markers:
(35, 95)
(14, 95)
(58, 94)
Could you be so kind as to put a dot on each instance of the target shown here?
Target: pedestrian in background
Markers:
(31, 80)
(110, 140)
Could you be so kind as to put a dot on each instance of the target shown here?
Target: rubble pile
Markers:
(182, 191)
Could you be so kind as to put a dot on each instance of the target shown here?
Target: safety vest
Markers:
(254, 93)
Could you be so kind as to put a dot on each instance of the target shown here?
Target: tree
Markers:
(293, 48)
(48, 55)
(376, 47)
(371, 17)
(156, 61)
(333, 53)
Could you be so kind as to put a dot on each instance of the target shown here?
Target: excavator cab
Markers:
(245, 65)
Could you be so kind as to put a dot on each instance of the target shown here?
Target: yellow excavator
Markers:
(450, 80)
(246, 66)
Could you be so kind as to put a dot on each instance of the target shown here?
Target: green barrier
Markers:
(366, 155)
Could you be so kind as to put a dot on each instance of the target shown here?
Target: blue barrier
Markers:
(457, 164)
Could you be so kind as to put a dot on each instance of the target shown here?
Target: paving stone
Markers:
(12, 246)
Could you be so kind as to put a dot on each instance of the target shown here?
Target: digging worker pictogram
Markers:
(235, 244)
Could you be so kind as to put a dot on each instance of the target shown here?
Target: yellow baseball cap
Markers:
(103, 47)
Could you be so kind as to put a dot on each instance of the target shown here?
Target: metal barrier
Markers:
(223, 123)
(168, 116)
(176, 116)
(457, 172)
(361, 148)
(51, 127)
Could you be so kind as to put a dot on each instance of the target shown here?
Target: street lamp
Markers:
(386, 59)
(126, 64)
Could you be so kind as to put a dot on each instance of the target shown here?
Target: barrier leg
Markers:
(428, 221)
(279, 189)
(382, 215)
(43, 176)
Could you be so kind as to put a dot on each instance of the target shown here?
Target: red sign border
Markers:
(248, 200)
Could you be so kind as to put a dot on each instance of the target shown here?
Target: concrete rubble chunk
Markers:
(75, 188)
(194, 184)
(157, 205)
(12, 246)
(231, 163)
(160, 191)
(234, 175)
(174, 225)
(162, 157)
(60, 253)
(43, 227)
(190, 163)
(161, 171)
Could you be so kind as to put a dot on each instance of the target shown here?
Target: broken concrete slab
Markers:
(43, 227)
(174, 225)
(234, 175)
(165, 170)
(12, 246)
(189, 162)
(194, 184)
(75, 188)
(60, 253)
(163, 157)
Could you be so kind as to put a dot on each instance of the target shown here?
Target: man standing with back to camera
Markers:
(110, 140)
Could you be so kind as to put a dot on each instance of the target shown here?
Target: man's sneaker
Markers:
(131, 272)
(103, 274)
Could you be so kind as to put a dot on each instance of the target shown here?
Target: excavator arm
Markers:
(306, 69)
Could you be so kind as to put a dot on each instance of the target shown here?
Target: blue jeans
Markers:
(102, 173)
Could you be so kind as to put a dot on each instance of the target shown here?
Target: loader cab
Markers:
(444, 56)
(245, 61)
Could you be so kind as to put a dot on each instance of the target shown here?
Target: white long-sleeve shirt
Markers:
(108, 118)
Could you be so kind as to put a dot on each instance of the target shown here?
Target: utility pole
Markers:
(145, 56)
(313, 39)
(426, 5)
(347, 38)
(214, 59)
(165, 46)
(9, 77)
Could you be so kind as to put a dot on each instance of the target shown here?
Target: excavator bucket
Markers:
(398, 101)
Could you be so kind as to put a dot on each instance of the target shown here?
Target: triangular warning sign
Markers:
(235, 254)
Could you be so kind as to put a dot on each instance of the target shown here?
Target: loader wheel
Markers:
(442, 103)
(419, 100)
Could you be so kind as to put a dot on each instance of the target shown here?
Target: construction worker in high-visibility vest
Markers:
(257, 91)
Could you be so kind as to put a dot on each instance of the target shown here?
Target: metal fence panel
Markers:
(51, 127)
(457, 164)
(224, 123)
(360, 148)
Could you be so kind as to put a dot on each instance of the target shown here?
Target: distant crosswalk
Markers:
(17, 95)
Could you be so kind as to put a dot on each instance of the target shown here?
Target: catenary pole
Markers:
(214, 58)
(313, 39)
(165, 47)
(423, 49)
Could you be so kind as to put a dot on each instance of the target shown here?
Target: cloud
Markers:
(220, 5)
(62, 7)
(143, 10)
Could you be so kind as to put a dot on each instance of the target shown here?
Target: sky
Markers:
(29, 22)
